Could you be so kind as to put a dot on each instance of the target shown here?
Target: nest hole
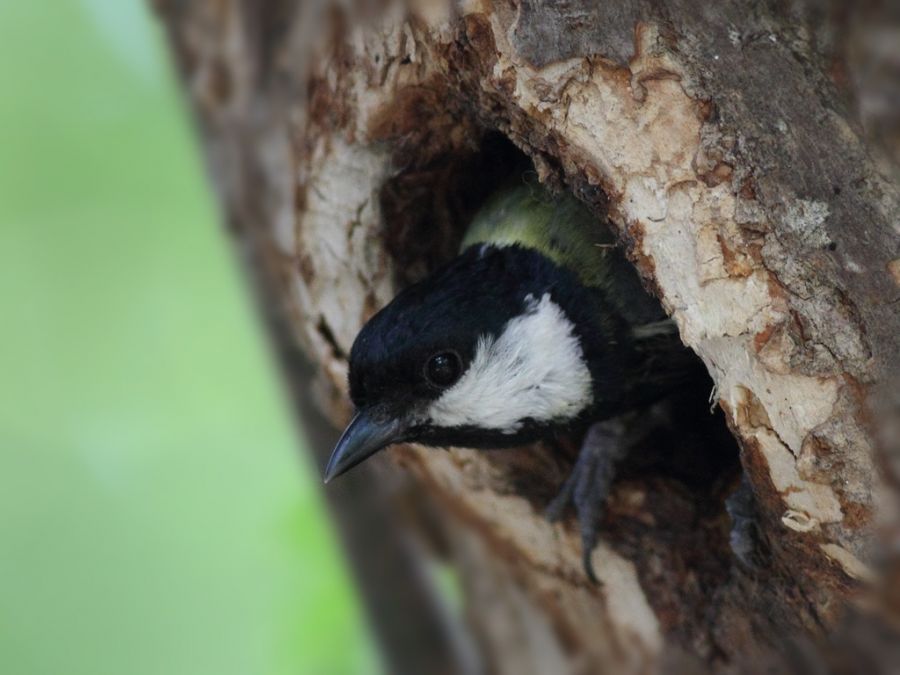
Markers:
(692, 454)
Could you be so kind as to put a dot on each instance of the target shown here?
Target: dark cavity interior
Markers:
(428, 206)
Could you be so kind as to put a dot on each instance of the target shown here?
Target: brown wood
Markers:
(730, 146)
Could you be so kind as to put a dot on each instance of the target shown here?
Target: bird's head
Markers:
(480, 354)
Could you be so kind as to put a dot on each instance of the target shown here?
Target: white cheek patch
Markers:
(534, 369)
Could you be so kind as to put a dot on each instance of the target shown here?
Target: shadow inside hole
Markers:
(686, 443)
(427, 208)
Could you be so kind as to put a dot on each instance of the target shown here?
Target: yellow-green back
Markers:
(559, 226)
(564, 230)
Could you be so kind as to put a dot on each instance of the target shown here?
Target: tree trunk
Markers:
(730, 145)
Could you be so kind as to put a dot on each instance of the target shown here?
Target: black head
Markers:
(485, 352)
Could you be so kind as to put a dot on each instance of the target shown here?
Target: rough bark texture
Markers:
(729, 146)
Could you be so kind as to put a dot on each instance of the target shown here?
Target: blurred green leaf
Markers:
(155, 514)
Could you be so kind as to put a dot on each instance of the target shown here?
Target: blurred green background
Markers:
(156, 515)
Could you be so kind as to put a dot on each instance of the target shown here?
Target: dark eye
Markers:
(443, 369)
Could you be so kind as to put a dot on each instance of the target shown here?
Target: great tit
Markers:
(539, 328)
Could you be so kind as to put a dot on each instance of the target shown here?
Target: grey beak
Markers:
(363, 437)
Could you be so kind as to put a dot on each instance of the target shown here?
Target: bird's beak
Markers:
(363, 437)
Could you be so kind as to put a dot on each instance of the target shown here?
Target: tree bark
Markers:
(732, 148)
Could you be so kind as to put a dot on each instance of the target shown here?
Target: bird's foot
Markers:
(745, 539)
(588, 486)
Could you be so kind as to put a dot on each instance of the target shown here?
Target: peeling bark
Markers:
(723, 145)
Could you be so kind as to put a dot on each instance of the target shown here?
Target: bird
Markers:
(540, 328)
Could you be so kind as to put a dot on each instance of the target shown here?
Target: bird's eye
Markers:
(443, 369)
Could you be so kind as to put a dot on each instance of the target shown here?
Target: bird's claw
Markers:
(745, 538)
(588, 485)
